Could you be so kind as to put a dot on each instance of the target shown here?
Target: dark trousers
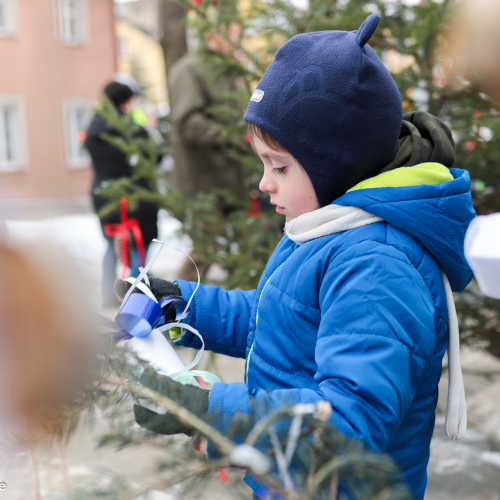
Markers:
(109, 273)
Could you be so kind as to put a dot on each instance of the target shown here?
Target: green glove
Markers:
(193, 398)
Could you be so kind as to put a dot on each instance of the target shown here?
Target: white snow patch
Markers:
(491, 457)
(78, 236)
(157, 495)
(216, 273)
(79, 470)
(170, 259)
(450, 465)
(81, 237)
(474, 437)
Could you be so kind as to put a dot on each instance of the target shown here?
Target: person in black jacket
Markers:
(111, 163)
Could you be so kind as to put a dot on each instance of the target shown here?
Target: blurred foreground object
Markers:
(475, 43)
(44, 341)
(482, 250)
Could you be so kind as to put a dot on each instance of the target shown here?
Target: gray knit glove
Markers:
(160, 288)
(193, 398)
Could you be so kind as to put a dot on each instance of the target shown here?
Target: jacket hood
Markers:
(437, 215)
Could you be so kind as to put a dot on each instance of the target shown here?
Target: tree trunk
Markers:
(174, 43)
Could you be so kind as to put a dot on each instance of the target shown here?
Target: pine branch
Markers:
(186, 417)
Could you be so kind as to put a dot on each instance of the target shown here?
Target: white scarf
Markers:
(336, 219)
(327, 220)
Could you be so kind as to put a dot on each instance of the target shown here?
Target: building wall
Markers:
(141, 57)
(45, 72)
(143, 14)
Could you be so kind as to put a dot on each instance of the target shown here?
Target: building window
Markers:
(8, 17)
(77, 114)
(72, 16)
(13, 150)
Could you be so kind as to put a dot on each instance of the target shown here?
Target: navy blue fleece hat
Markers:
(329, 100)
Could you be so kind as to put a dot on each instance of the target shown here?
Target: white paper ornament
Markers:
(482, 251)
(157, 351)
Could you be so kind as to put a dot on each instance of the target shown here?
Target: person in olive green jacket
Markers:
(201, 159)
(200, 153)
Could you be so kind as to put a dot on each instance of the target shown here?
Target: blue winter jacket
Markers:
(357, 318)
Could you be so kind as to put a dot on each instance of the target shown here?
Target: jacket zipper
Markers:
(257, 320)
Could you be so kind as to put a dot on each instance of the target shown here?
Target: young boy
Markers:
(351, 308)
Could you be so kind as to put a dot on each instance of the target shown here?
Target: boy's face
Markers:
(286, 181)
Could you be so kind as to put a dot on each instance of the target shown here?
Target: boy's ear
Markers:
(367, 29)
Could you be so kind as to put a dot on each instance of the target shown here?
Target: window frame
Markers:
(11, 27)
(82, 37)
(21, 160)
(81, 161)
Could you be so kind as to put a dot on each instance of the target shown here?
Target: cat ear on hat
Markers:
(367, 29)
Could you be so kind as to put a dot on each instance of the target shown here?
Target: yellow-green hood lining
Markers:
(424, 173)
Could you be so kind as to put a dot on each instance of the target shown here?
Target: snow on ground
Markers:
(80, 236)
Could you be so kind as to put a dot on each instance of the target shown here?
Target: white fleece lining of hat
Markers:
(336, 219)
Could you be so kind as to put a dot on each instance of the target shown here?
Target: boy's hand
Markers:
(194, 399)
(160, 288)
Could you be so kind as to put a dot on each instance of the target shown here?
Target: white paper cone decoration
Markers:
(156, 349)
(482, 251)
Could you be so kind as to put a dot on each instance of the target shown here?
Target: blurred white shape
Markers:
(482, 251)
(300, 4)
(157, 494)
(421, 97)
(247, 456)
(81, 236)
(216, 273)
(170, 260)
(163, 109)
(127, 80)
(485, 133)
(491, 457)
